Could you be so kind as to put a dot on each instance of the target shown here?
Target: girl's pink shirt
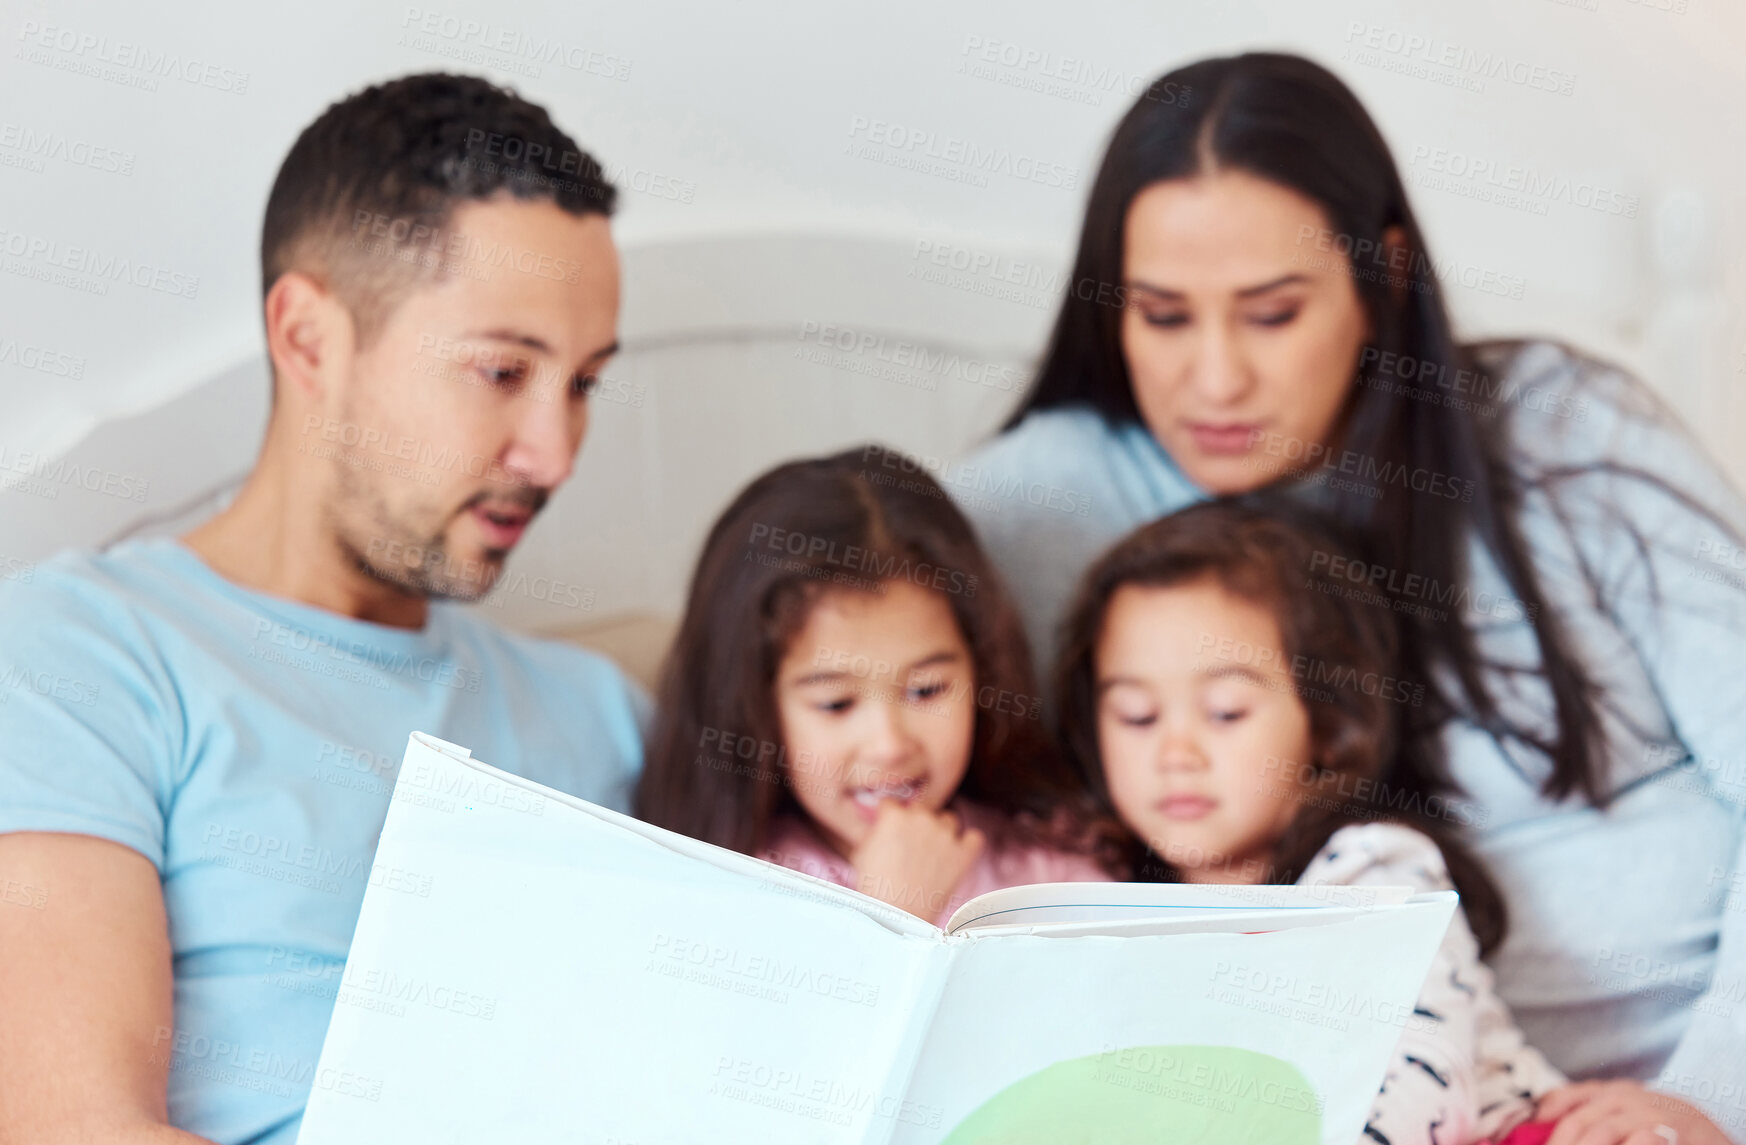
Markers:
(795, 844)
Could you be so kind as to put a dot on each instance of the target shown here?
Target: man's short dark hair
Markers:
(364, 198)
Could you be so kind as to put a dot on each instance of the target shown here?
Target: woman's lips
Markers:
(1227, 438)
(1186, 807)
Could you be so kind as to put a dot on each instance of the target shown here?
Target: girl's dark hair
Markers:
(716, 767)
(1343, 656)
(1290, 121)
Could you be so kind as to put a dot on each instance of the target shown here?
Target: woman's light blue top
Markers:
(1627, 946)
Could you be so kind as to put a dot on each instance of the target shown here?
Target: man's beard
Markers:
(414, 560)
(426, 569)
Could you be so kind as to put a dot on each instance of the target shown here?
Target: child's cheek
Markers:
(1133, 803)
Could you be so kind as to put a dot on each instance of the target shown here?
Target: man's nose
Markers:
(543, 451)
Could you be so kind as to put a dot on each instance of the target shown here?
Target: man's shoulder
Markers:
(557, 666)
(532, 648)
(82, 588)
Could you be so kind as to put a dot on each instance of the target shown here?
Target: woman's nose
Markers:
(1220, 373)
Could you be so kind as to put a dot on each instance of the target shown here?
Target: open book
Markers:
(531, 968)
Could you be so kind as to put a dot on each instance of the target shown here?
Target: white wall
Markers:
(750, 113)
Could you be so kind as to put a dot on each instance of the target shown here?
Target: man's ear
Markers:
(308, 332)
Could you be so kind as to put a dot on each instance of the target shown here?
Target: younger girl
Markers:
(1229, 698)
(850, 695)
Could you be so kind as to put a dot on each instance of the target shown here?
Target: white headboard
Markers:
(738, 352)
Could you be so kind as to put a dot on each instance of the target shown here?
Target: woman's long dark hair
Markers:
(1292, 122)
(717, 768)
(1343, 654)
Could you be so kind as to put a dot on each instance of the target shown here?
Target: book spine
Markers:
(941, 955)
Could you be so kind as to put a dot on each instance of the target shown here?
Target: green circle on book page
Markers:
(1152, 1095)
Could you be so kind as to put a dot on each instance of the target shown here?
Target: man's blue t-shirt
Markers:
(247, 745)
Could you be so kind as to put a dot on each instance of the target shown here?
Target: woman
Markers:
(1253, 305)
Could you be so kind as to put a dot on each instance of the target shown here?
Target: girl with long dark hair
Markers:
(1234, 714)
(849, 694)
(1253, 305)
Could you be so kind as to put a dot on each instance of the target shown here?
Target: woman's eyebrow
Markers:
(1246, 292)
(1284, 280)
(1135, 284)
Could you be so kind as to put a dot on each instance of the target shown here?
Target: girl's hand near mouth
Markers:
(914, 857)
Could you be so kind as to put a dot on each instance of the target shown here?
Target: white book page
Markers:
(795, 882)
(565, 980)
(1086, 905)
(1279, 1036)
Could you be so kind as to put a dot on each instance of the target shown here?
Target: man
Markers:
(201, 737)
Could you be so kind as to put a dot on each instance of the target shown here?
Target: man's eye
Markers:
(511, 375)
(584, 384)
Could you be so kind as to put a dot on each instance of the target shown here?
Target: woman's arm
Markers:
(1664, 532)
